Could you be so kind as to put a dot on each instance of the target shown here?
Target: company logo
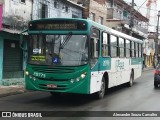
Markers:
(6, 114)
(21, 114)
(119, 64)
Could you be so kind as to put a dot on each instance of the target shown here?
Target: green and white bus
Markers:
(71, 55)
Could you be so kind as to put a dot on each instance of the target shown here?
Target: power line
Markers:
(149, 9)
(141, 6)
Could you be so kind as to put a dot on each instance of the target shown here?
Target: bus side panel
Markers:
(103, 65)
(120, 71)
(136, 65)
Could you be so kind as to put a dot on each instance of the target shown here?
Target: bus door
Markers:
(95, 66)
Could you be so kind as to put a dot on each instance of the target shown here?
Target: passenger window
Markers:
(113, 46)
(105, 45)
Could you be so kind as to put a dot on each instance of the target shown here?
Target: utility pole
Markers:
(157, 35)
(132, 17)
(157, 32)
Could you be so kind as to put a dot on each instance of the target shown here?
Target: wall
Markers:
(15, 7)
(1, 58)
(99, 9)
(56, 12)
(17, 14)
(1, 7)
(113, 23)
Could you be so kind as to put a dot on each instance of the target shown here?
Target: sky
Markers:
(143, 11)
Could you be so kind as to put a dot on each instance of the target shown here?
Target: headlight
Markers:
(27, 73)
(83, 75)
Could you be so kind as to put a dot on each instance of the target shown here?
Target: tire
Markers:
(100, 94)
(130, 83)
(155, 85)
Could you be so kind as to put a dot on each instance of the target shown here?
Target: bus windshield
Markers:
(60, 50)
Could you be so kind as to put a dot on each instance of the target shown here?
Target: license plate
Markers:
(52, 86)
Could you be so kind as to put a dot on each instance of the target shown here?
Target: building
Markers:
(56, 9)
(94, 9)
(119, 17)
(15, 17)
(115, 14)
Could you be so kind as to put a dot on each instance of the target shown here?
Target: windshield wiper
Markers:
(66, 39)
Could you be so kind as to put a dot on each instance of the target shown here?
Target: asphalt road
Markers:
(142, 96)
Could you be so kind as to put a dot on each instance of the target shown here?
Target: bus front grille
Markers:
(54, 70)
(53, 79)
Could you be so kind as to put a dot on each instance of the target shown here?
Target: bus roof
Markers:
(97, 25)
(114, 32)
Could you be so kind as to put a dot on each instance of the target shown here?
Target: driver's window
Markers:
(95, 35)
(95, 43)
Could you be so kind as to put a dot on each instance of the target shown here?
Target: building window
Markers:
(101, 20)
(23, 1)
(44, 11)
(65, 8)
(74, 16)
(56, 4)
(92, 16)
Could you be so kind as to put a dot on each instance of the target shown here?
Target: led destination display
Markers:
(58, 25)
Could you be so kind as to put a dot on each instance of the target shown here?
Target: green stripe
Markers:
(135, 61)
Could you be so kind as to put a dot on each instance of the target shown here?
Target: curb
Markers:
(4, 92)
(147, 69)
(11, 93)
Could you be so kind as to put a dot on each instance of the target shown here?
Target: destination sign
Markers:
(58, 25)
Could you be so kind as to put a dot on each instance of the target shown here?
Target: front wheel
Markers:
(100, 94)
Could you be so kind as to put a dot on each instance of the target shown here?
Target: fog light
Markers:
(34, 78)
(77, 79)
(72, 81)
(30, 77)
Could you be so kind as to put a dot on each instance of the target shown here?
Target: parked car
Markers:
(157, 76)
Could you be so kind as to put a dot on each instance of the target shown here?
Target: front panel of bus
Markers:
(58, 56)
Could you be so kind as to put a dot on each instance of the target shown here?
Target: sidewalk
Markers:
(17, 87)
(12, 87)
(147, 69)
(11, 90)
